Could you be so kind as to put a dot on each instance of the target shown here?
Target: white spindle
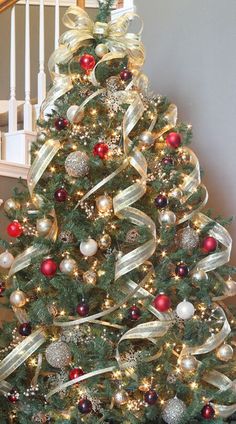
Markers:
(41, 74)
(27, 104)
(12, 113)
(57, 23)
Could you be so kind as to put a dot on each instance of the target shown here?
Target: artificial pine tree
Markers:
(116, 278)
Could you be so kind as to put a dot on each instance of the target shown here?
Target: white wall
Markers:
(191, 58)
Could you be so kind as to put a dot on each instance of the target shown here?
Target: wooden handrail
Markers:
(81, 3)
(5, 4)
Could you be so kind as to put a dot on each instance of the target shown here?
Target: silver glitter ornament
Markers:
(66, 237)
(199, 275)
(68, 266)
(146, 140)
(43, 226)
(167, 217)
(188, 363)
(225, 352)
(76, 164)
(74, 114)
(121, 397)
(18, 298)
(101, 50)
(173, 411)
(132, 236)
(187, 238)
(58, 355)
(11, 205)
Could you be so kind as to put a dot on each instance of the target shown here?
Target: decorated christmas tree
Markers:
(116, 277)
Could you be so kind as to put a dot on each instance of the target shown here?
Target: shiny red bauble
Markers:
(101, 150)
(167, 160)
(162, 303)
(134, 313)
(61, 123)
(60, 195)
(87, 62)
(161, 201)
(75, 373)
(14, 229)
(173, 140)
(150, 397)
(126, 75)
(82, 309)
(25, 329)
(2, 288)
(208, 412)
(85, 406)
(209, 244)
(48, 268)
(181, 270)
(13, 396)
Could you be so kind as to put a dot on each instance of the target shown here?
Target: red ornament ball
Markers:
(14, 229)
(161, 201)
(60, 195)
(87, 62)
(75, 373)
(82, 309)
(2, 288)
(134, 313)
(48, 268)
(13, 396)
(101, 150)
(209, 244)
(167, 160)
(181, 270)
(25, 329)
(162, 303)
(173, 140)
(85, 406)
(150, 397)
(60, 123)
(208, 412)
(126, 75)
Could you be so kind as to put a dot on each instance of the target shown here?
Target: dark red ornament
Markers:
(13, 395)
(60, 195)
(82, 309)
(209, 244)
(150, 397)
(181, 270)
(167, 161)
(161, 201)
(60, 123)
(25, 329)
(126, 75)
(14, 229)
(208, 412)
(134, 313)
(162, 303)
(2, 288)
(85, 406)
(173, 140)
(48, 268)
(87, 62)
(101, 150)
(75, 373)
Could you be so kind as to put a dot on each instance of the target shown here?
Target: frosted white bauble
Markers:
(104, 203)
(6, 260)
(225, 353)
(18, 298)
(167, 218)
(101, 50)
(68, 266)
(88, 247)
(188, 363)
(43, 226)
(185, 310)
(146, 139)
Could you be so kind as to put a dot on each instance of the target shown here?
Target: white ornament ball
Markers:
(101, 50)
(121, 397)
(188, 363)
(167, 217)
(185, 310)
(176, 193)
(74, 114)
(77, 164)
(58, 355)
(68, 266)
(225, 353)
(104, 203)
(11, 205)
(6, 260)
(18, 298)
(89, 247)
(43, 226)
(146, 139)
(174, 411)
(199, 275)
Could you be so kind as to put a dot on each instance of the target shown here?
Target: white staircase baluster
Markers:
(27, 105)
(12, 112)
(41, 74)
(57, 23)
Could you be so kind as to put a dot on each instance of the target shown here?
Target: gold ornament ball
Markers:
(18, 299)
(11, 205)
(90, 277)
(43, 226)
(121, 397)
(188, 363)
(104, 242)
(225, 353)
(146, 139)
(68, 266)
(74, 114)
(107, 304)
(101, 50)
(104, 203)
